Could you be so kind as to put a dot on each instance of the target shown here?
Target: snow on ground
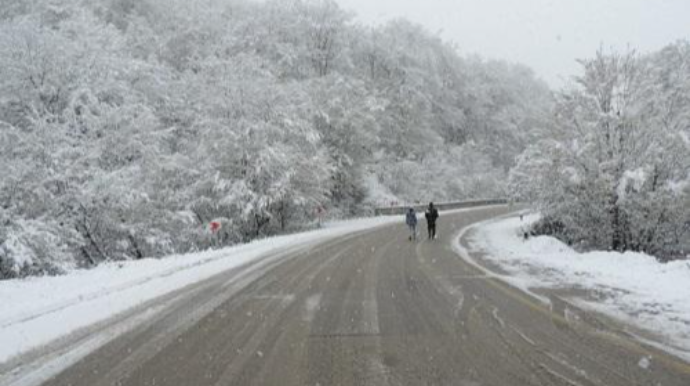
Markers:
(36, 311)
(630, 286)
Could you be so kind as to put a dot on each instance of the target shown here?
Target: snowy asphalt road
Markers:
(371, 309)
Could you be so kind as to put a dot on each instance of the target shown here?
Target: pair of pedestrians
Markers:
(431, 216)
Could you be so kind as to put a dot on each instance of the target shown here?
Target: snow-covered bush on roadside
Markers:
(32, 247)
(614, 173)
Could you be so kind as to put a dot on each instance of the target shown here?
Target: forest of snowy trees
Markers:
(127, 126)
(614, 173)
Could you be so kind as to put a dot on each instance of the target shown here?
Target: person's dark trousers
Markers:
(432, 231)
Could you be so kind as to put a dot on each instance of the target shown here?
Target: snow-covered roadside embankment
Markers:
(632, 287)
(36, 311)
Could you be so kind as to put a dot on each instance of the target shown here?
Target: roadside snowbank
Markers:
(629, 286)
(36, 311)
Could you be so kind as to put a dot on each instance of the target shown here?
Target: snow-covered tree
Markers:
(612, 175)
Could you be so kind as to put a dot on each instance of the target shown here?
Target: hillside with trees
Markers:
(127, 126)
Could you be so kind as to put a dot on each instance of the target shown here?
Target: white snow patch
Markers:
(311, 305)
(685, 137)
(635, 178)
(630, 286)
(520, 282)
(644, 363)
(678, 187)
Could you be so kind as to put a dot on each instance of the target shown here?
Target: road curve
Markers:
(371, 309)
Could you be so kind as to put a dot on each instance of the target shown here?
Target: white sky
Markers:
(547, 35)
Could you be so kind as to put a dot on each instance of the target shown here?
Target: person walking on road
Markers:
(431, 217)
(411, 221)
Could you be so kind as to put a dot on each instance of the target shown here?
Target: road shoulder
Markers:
(574, 294)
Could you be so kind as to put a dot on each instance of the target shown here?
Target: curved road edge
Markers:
(551, 302)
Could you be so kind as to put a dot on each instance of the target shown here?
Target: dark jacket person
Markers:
(431, 215)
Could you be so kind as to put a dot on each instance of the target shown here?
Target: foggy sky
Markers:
(547, 35)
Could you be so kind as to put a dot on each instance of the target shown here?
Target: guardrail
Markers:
(402, 209)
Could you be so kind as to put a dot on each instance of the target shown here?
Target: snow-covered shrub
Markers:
(32, 247)
(612, 173)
